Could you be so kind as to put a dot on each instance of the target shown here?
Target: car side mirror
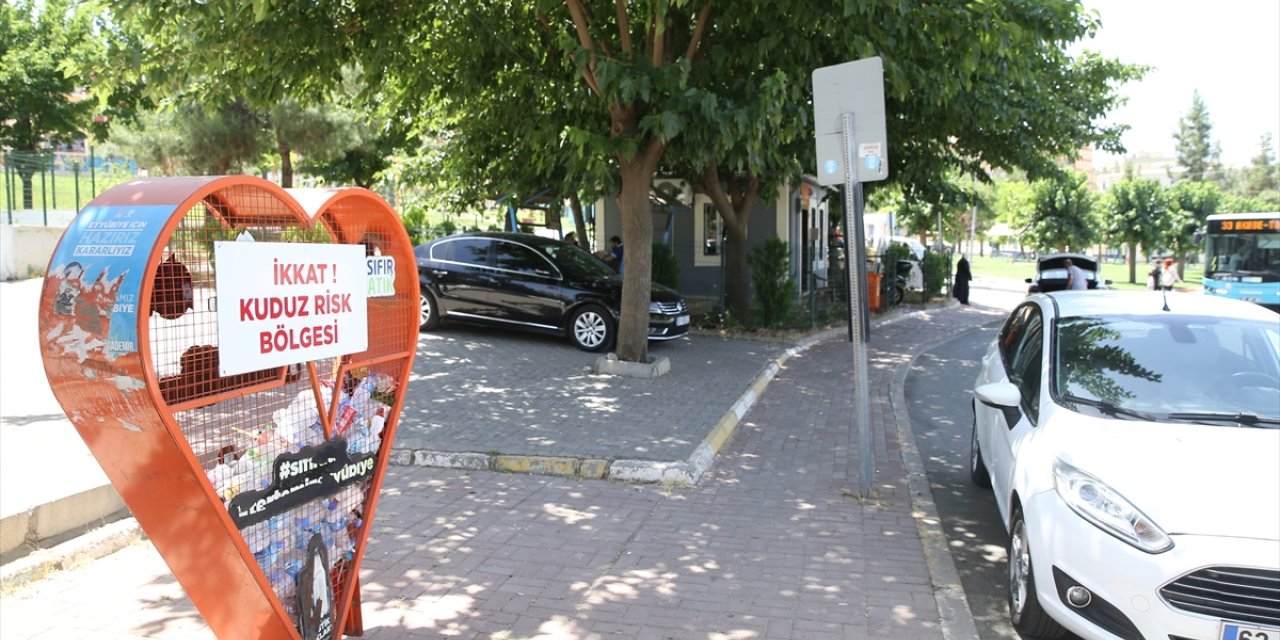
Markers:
(1004, 396)
(1027, 280)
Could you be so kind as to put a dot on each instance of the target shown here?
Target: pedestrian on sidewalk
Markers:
(1169, 275)
(961, 283)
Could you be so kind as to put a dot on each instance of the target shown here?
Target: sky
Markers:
(1228, 50)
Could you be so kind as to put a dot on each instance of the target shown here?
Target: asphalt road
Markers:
(938, 390)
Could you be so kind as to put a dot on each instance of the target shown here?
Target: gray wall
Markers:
(695, 282)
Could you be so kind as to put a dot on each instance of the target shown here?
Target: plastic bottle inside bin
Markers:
(362, 397)
(279, 532)
(256, 537)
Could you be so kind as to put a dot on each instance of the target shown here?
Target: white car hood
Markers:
(1219, 480)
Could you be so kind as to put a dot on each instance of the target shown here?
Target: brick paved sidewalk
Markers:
(772, 543)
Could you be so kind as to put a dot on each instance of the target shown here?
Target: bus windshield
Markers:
(1242, 247)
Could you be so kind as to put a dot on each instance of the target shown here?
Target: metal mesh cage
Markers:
(245, 429)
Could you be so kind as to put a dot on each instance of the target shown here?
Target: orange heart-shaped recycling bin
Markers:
(235, 355)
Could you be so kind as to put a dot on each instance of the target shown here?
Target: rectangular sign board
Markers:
(285, 303)
(856, 88)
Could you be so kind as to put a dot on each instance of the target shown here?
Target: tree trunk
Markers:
(1133, 263)
(733, 201)
(286, 162)
(737, 275)
(579, 223)
(637, 273)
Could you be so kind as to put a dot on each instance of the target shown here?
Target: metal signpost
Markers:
(849, 129)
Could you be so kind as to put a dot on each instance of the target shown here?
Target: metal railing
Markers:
(47, 188)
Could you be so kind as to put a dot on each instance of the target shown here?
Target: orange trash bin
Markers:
(249, 441)
(873, 290)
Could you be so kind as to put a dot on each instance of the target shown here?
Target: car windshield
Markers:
(576, 263)
(1176, 368)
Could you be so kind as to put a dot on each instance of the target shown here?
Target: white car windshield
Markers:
(1169, 368)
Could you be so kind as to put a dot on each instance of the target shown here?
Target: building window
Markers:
(708, 232)
(712, 231)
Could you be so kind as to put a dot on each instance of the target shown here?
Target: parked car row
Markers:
(1132, 441)
(533, 283)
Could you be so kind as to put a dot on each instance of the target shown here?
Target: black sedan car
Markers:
(1051, 272)
(535, 283)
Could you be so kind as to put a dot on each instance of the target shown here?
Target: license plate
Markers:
(1232, 631)
(683, 320)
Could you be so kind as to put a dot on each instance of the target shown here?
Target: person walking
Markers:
(1169, 275)
(961, 284)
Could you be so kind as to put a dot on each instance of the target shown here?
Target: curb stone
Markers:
(953, 606)
(70, 554)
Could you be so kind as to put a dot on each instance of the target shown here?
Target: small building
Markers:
(689, 223)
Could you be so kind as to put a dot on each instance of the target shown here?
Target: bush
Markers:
(936, 266)
(413, 213)
(666, 270)
(772, 284)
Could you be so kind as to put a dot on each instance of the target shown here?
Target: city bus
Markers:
(1242, 257)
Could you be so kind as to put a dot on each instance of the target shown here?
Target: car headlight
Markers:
(1098, 503)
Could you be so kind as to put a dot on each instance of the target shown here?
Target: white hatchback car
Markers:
(1132, 440)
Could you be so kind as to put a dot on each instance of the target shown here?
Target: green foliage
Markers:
(666, 269)
(627, 89)
(415, 214)
(1233, 203)
(1262, 177)
(890, 256)
(774, 286)
(1191, 203)
(1197, 153)
(1138, 211)
(37, 107)
(1062, 215)
(936, 268)
(315, 235)
(1138, 214)
(1200, 199)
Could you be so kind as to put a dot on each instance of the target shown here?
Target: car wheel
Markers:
(977, 467)
(591, 328)
(428, 311)
(1028, 617)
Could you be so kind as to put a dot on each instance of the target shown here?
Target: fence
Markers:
(825, 298)
(47, 188)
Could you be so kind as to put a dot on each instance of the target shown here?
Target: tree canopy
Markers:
(1062, 213)
(596, 97)
(1138, 214)
(1197, 153)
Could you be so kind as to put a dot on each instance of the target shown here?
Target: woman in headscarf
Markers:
(961, 284)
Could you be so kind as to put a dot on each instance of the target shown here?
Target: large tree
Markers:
(1062, 213)
(1009, 99)
(1198, 154)
(39, 103)
(1191, 204)
(1262, 176)
(1138, 215)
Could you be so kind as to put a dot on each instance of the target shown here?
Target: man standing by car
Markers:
(1076, 279)
(614, 255)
